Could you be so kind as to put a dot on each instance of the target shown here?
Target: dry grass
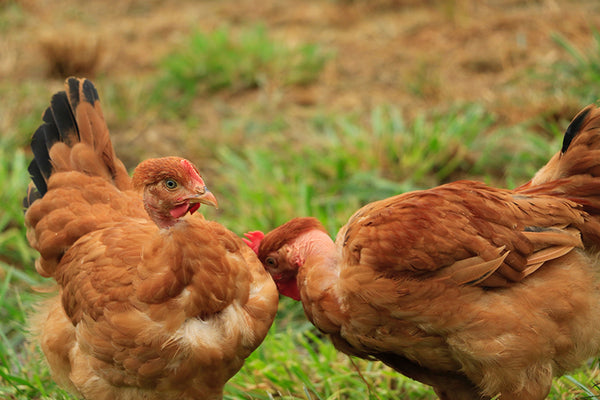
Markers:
(71, 52)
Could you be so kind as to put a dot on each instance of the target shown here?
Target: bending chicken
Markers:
(152, 304)
(473, 290)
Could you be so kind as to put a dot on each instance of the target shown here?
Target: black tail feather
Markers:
(73, 85)
(40, 167)
(63, 118)
(31, 196)
(59, 126)
(37, 177)
(52, 135)
(575, 127)
(90, 92)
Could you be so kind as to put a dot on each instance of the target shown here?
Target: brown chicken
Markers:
(473, 290)
(152, 303)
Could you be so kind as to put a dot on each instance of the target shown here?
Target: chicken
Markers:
(473, 290)
(151, 303)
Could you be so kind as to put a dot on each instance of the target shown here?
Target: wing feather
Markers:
(463, 232)
(473, 270)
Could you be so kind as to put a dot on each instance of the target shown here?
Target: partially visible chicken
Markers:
(473, 290)
(152, 304)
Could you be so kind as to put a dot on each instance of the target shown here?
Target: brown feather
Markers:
(472, 271)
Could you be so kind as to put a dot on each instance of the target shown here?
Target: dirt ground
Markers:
(414, 54)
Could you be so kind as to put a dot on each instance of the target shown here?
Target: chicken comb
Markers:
(192, 171)
(254, 239)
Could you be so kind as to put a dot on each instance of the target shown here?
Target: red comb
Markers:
(192, 171)
(254, 239)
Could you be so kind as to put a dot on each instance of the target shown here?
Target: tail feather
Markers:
(32, 195)
(575, 127)
(73, 136)
(60, 117)
(579, 152)
(51, 131)
(84, 100)
(574, 172)
(40, 167)
(93, 130)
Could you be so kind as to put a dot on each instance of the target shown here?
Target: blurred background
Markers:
(294, 108)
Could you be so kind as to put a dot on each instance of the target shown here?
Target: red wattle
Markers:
(179, 211)
(289, 289)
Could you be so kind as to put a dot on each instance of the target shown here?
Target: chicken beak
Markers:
(204, 196)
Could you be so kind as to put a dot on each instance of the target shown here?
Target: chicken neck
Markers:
(317, 257)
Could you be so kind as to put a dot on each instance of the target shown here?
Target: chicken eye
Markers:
(271, 262)
(171, 184)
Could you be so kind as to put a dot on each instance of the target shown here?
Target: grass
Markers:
(12, 230)
(219, 60)
(23, 375)
(335, 164)
(269, 169)
(314, 371)
(581, 75)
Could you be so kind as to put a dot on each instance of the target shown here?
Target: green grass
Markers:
(12, 230)
(23, 374)
(580, 76)
(315, 370)
(332, 165)
(219, 60)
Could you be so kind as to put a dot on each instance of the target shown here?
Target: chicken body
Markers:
(152, 304)
(473, 290)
